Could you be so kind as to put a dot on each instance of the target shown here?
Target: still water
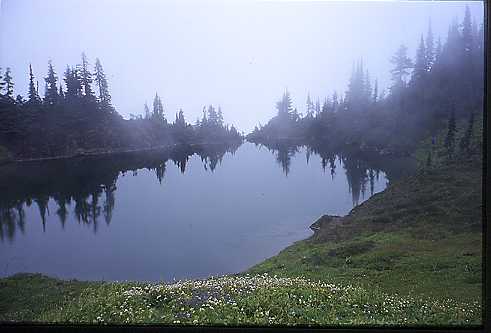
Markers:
(191, 213)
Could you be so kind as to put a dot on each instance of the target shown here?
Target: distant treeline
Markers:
(80, 118)
(445, 80)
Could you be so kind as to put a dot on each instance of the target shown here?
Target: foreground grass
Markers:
(230, 300)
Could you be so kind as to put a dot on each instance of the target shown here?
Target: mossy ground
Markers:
(410, 255)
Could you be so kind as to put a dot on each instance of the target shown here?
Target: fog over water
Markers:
(240, 55)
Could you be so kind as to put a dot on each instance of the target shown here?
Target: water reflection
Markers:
(89, 184)
(360, 170)
(86, 187)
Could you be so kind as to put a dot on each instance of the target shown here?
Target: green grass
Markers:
(410, 255)
(231, 300)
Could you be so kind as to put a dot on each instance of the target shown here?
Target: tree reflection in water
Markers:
(89, 183)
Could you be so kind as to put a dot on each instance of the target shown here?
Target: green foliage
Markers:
(263, 300)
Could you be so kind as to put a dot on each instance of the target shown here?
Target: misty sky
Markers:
(237, 54)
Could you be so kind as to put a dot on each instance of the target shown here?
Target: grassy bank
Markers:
(410, 255)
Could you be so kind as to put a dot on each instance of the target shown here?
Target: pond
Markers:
(188, 213)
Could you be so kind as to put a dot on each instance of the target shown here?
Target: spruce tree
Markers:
(51, 94)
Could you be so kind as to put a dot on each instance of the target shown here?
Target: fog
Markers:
(239, 55)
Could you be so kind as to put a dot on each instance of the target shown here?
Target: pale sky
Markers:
(237, 54)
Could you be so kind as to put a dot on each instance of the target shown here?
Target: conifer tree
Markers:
(375, 91)
(367, 87)
(102, 85)
(219, 116)
(285, 105)
(61, 95)
(73, 85)
(438, 50)
(430, 49)
(86, 79)
(9, 84)
(317, 107)
(467, 32)
(32, 93)
(420, 65)
(158, 109)
(51, 93)
(310, 106)
(402, 64)
(335, 101)
(146, 111)
(2, 83)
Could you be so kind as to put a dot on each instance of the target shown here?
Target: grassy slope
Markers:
(412, 253)
(422, 235)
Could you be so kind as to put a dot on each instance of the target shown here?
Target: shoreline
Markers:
(112, 152)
